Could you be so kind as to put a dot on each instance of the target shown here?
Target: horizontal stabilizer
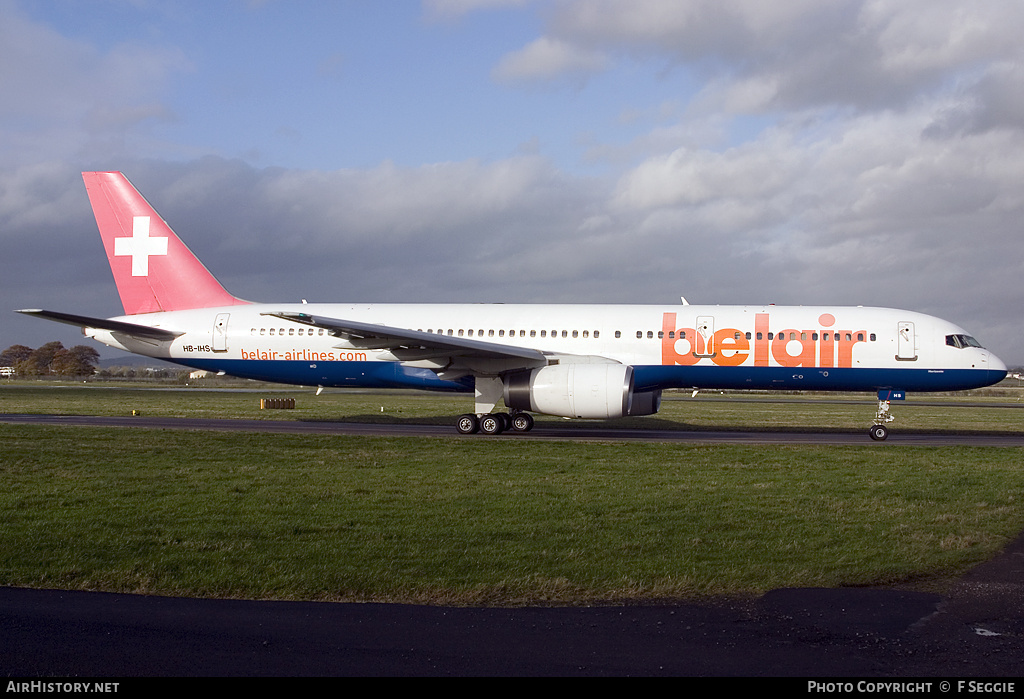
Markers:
(141, 331)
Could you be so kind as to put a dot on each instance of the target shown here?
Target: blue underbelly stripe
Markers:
(396, 375)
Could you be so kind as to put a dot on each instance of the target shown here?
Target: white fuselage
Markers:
(817, 348)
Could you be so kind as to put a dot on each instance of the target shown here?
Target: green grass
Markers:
(484, 521)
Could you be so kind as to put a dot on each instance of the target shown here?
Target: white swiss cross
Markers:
(140, 246)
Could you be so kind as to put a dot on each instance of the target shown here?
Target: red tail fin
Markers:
(153, 269)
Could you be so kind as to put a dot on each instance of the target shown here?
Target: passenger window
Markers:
(501, 333)
(871, 337)
(639, 334)
(543, 333)
(650, 334)
(618, 333)
(586, 333)
(575, 333)
(597, 334)
(533, 333)
(565, 333)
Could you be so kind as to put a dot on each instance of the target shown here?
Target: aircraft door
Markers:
(220, 332)
(706, 329)
(906, 350)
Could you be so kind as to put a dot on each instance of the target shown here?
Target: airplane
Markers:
(573, 361)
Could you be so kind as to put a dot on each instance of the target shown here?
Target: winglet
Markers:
(153, 269)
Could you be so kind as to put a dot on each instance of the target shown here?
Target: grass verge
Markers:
(488, 521)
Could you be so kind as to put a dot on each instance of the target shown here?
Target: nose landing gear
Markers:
(879, 431)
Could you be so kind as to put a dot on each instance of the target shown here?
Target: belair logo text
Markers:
(785, 347)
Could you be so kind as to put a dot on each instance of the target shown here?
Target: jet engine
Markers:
(579, 390)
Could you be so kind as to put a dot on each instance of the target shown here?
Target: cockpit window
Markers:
(961, 341)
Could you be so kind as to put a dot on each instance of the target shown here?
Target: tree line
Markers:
(52, 359)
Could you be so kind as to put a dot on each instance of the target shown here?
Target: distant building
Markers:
(7, 371)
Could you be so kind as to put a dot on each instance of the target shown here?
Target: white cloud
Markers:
(693, 177)
(457, 8)
(870, 209)
(863, 53)
(76, 98)
(546, 59)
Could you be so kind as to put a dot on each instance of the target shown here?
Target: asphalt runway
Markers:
(975, 629)
(541, 432)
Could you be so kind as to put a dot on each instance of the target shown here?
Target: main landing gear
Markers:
(489, 390)
(494, 423)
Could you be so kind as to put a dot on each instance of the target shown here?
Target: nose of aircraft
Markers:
(996, 364)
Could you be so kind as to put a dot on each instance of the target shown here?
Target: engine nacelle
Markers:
(645, 403)
(579, 390)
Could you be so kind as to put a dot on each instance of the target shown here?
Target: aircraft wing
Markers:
(411, 345)
(143, 332)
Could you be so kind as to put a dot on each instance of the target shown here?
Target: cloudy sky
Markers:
(803, 152)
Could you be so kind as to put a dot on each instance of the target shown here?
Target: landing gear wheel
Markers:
(467, 424)
(522, 422)
(878, 432)
(492, 424)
